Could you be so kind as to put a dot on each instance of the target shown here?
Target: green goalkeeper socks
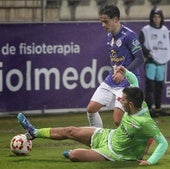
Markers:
(43, 133)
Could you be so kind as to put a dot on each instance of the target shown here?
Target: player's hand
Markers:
(143, 162)
(119, 74)
(118, 77)
(122, 70)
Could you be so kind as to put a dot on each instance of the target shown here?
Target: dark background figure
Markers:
(156, 48)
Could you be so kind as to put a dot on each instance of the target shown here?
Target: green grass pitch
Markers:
(47, 154)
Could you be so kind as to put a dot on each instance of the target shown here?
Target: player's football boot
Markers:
(66, 153)
(24, 122)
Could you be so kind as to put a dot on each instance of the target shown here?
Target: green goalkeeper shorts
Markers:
(101, 143)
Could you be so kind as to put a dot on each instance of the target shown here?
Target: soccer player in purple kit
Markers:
(125, 50)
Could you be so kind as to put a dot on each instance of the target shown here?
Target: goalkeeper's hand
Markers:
(143, 162)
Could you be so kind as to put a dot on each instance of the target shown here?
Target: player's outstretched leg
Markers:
(24, 122)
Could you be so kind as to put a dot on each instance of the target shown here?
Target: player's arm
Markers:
(151, 129)
(158, 152)
(146, 52)
(136, 49)
(160, 149)
(132, 79)
(137, 54)
(138, 60)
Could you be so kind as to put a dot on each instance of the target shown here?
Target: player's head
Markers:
(132, 97)
(156, 18)
(109, 17)
(111, 11)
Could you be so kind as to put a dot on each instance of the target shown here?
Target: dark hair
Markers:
(110, 10)
(135, 95)
(159, 12)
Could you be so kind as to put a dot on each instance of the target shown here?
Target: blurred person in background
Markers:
(155, 41)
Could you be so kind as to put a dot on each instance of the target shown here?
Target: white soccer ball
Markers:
(20, 145)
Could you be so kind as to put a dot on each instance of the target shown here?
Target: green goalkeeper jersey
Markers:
(129, 140)
(131, 137)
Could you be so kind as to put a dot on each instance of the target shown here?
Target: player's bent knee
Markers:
(117, 122)
(90, 109)
(93, 107)
(117, 116)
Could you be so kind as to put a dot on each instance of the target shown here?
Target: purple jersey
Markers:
(122, 48)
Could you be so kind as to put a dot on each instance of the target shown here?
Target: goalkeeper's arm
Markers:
(160, 149)
(131, 77)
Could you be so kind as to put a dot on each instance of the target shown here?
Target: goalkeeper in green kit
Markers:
(127, 142)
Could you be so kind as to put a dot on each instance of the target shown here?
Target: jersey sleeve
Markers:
(133, 43)
(151, 130)
(132, 79)
(136, 50)
(160, 149)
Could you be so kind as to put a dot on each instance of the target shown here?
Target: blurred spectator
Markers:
(156, 48)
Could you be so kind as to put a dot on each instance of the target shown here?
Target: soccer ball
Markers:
(20, 145)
